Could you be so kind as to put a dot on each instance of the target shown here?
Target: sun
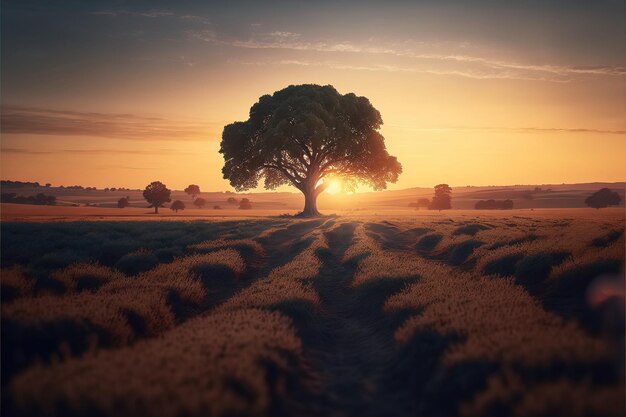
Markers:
(334, 186)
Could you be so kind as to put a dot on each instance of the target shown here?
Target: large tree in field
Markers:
(157, 194)
(303, 135)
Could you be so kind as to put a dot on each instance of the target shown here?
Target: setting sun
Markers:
(334, 186)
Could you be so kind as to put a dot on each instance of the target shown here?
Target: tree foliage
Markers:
(494, 205)
(199, 202)
(193, 190)
(123, 202)
(157, 194)
(245, 204)
(442, 199)
(603, 198)
(177, 205)
(304, 134)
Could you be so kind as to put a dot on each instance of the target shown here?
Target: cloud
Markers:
(475, 73)
(511, 129)
(150, 13)
(486, 68)
(37, 121)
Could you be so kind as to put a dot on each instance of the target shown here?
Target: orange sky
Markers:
(463, 108)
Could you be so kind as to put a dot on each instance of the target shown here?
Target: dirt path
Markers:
(351, 344)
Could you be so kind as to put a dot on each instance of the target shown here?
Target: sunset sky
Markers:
(121, 93)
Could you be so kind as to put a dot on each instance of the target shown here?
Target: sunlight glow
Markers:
(335, 186)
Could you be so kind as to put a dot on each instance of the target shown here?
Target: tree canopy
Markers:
(177, 205)
(304, 134)
(603, 198)
(442, 199)
(157, 194)
(199, 202)
(193, 190)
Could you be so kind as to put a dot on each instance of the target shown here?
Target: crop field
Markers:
(451, 313)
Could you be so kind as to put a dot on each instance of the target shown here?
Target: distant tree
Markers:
(48, 185)
(304, 134)
(193, 190)
(157, 194)
(177, 205)
(442, 199)
(123, 202)
(217, 208)
(245, 204)
(603, 198)
(199, 202)
(231, 200)
(494, 205)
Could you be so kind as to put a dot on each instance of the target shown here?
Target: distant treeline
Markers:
(40, 199)
(494, 205)
(19, 184)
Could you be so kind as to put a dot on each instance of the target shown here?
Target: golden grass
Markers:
(558, 397)
(146, 295)
(71, 275)
(226, 243)
(284, 282)
(499, 320)
(186, 372)
(14, 279)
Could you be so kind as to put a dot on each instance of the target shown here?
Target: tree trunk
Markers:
(156, 209)
(310, 203)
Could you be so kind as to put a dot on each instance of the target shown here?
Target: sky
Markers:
(122, 93)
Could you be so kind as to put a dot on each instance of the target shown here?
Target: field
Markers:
(402, 313)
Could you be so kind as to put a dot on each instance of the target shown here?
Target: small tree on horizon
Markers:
(157, 194)
(199, 202)
(177, 205)
(245, 204)
(303, 135)
(193, 190)
(123, 202)
(231, 200)
(442, 199)
(603, 198)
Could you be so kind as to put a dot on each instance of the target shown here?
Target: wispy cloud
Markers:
(475, 73)
(121, 12)
(485, 67)
(509, 129)
(27, 151)
(28, 120)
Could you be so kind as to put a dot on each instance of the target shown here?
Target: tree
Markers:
(177, 205)
(217, 208)
(494, 205)
(157, 194)
(442, 199)
(245, 204)
(231, 200)
(199, 202)
(48, 185)
(303, 135)
(193, 190)
(603, 198)
(123, 202)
